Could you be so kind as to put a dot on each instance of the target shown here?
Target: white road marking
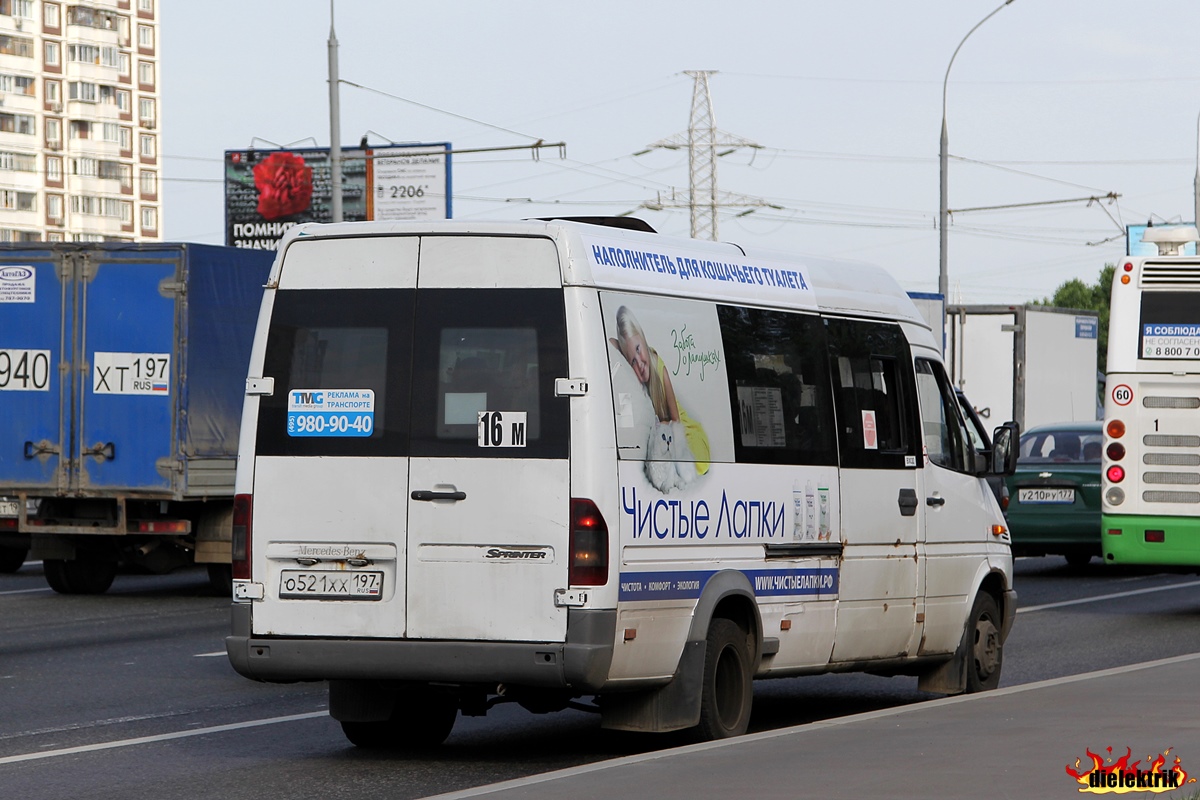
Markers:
(1114, 596)
(27, 591)
(210, 655)
(162, 737)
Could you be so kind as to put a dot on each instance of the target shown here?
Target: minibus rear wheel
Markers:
(419, 720)
(727, 692)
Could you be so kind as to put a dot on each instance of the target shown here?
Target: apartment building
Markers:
(80, 121)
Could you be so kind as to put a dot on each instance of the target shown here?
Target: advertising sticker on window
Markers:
(331, 412)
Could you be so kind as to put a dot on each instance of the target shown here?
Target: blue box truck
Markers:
(122, 373)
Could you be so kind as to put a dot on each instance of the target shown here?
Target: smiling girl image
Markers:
(652, 374)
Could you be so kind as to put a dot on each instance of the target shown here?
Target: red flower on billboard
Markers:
(284, 184)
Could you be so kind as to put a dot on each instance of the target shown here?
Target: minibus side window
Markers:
(947, 441)
(778, 371)
(874, 396)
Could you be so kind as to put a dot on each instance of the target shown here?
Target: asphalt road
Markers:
(129, 694)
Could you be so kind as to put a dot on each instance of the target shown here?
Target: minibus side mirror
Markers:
(1004, 448)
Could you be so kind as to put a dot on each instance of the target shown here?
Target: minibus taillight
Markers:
(1116, 428)
(242, 508)
(589, 545)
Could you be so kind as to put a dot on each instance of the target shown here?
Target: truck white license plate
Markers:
(330, 585)
(8, 508)
(1045, 495)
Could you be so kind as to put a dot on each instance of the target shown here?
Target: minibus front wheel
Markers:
(985, 648)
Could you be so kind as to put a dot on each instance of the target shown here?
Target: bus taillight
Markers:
(242, 511)
(1116, 451)
(589, 545)
(1116, 474)
(1116, 428)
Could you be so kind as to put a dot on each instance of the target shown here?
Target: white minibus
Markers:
(577, 463)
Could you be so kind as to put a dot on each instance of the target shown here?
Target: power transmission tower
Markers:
(702, 140)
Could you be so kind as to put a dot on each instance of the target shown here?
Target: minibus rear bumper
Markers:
(580, 663)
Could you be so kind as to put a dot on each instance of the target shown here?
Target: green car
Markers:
(1054, 505)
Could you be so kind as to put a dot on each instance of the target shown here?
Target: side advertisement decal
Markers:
(670, 388)
(618, 264)
(679, 585)
(675, 438)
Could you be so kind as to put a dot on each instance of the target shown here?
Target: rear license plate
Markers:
(330, 585)
(8, 508)
(1045, 495)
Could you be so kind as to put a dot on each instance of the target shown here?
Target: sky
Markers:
(1047, 101)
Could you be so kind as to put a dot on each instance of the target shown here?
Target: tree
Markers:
(1088, 297)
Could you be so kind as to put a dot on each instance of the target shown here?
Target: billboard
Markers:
(1134, 246)
(269, 191)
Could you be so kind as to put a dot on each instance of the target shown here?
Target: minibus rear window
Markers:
(485, 361)
(349, 344)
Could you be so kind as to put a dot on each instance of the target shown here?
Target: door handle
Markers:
(425, 494)
(32, 450)
(935, 501)
(107, 451)
(908, 502)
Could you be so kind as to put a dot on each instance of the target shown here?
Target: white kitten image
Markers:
(668, 457)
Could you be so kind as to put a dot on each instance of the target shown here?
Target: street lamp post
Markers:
(1196, 183)
(335, 126)
(943, 159)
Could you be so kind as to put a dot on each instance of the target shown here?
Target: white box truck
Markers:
(1032, 364)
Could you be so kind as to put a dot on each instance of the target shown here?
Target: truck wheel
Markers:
(727, 692)
(421, 719)
(79, 577)
(220, 578)
(985, 651)
(11, 558)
